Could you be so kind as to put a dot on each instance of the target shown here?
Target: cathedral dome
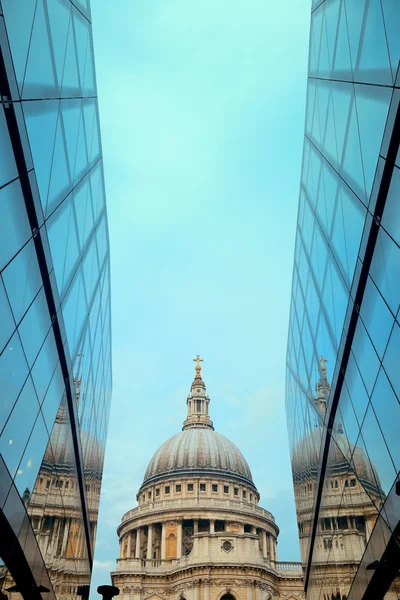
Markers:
(341, 454)
(198, 451)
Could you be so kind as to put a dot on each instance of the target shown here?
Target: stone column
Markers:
(138, 540)
(163, 542)
(150, 543)
(271, 549)
(195, 526)
(206, 595)
(264, 544)
(65, 538)
(257, 586)
(212, 526)
(196, 590)
(120, 547)
(179, 540)
(275, 551)
(129, 549)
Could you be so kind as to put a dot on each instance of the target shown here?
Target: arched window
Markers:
(228, 596)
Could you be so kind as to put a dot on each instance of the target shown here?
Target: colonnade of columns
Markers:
(268, 542)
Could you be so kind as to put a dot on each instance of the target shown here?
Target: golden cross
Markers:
(198, 360)
(323, 360)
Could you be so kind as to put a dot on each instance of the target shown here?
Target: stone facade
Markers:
(198, 532)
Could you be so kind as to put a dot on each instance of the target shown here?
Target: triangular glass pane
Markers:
(89, 115)
(41, 122)
(331, 18)
(314, 175)
(341, 95)
(94, 152)
(315, 129)
(372, 109)
(70, 84)
(315, 42)
(89, 83)
(81, 27)
(57, 231)
(311, 89)
(391, 15)
(19, 26)
(96, 182)
(341, 61)
(72, 250)
(39, 79)
(323, 64)
(352, 169)
(90, 269)
(81, 163)
(330, 147)
(59, 12)
(83, 210)
(354, 213)
(71, 114)
(354, 14)
(60, 178)
(374, 65)
(323, 93)
(329, 194)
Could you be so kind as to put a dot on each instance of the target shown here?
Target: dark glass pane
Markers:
(17, 431)
(40, 78)
(7, 162)
(7, 325)
(34, 327)
(41, 122)
(14, 225)
(13, 372)
(19, 27)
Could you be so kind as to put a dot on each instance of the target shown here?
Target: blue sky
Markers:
(202, 115)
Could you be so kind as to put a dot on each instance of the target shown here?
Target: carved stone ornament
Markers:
(127, 589)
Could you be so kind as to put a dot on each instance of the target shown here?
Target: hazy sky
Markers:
(202, 114)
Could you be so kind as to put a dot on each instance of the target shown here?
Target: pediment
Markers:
(154, 597)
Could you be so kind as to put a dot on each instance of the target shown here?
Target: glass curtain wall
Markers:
(343, 385)
(55, 334)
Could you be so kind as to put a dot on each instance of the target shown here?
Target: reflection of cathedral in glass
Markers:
(198, 532)
(55, 329)
(345, 306)
(351, 502)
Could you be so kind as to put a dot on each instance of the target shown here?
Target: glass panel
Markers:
(391, 14)
(44, 366)
(19, 426)
(41, 122)
(22, 280)
(7, 325)
(14, 225)
(40, 78)
(34, 327)
(19, 25)
(13, 372)
(32, 459)
(7, 162)
(377, 318)
(385, 270)
(387, 412)
(372, 109)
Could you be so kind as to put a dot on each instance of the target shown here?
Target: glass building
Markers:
(55, 365)
(343, 355)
